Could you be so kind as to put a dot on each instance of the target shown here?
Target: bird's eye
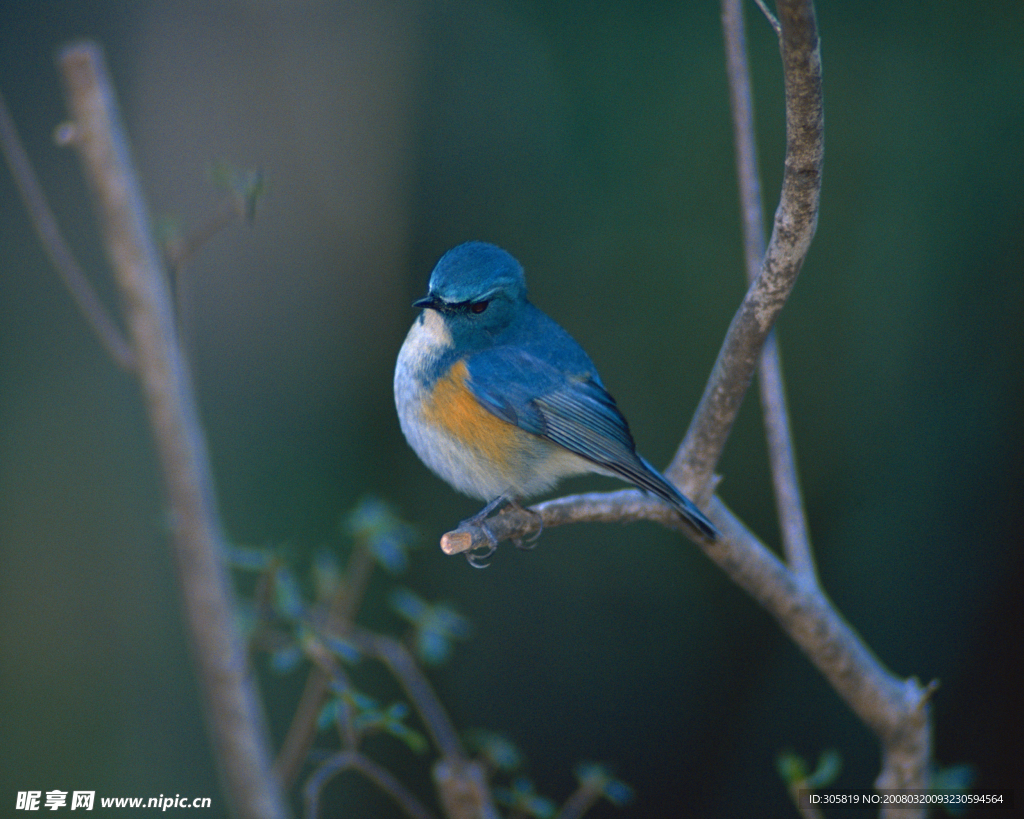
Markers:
(478, 306)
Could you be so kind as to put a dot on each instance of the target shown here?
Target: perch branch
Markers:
(232, 710)
(795, 221)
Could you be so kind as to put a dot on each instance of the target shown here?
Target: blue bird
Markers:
(499, 401)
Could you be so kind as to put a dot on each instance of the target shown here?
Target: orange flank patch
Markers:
(454, 409)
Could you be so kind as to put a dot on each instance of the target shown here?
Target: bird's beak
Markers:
(431, 301)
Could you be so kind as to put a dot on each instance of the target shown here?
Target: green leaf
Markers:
(436, 626)
(369, 717)
(522, 798)
(830, 763)
(794, 771)
(376, 527)
(287, 594)
(597, 778)
(496, 749)
(791, 768)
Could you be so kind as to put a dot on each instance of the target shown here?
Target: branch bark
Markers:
(232, 709)
(795, 221)
(781, 447)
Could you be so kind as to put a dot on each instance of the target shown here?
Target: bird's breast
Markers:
(456, 436)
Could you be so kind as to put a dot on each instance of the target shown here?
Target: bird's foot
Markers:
(531, 541)
(480, 556)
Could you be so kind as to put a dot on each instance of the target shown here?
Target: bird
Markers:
(502, 403)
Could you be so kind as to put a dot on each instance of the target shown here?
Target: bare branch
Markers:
(897, 711)
(232, 709)
(772, 21)
(741, 103)
(513, 523)
(795, 222)
(95, 314)
(781, 448)
(796, 539)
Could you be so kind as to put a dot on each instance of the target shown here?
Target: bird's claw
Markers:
(531, 541)
(479, 557)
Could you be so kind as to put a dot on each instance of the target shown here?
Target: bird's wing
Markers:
(573, 410)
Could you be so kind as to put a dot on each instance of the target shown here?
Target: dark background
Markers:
(593, 142)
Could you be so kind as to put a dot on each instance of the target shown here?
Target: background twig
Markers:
(96, 315)
(233, 712)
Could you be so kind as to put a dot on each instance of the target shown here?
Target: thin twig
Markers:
(302, 729)
(781, 447)
(579, 802)
(381, 777)
(463, 790)
(457, 778)
(772, 21)
(61, 257)
(461, 784)
(232, 709)
(412, 679)
(181, 251)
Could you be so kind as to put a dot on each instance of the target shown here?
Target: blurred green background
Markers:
(593, 142)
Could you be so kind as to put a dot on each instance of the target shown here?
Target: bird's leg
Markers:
(478, 557)
(479, 517)
(531, 541)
